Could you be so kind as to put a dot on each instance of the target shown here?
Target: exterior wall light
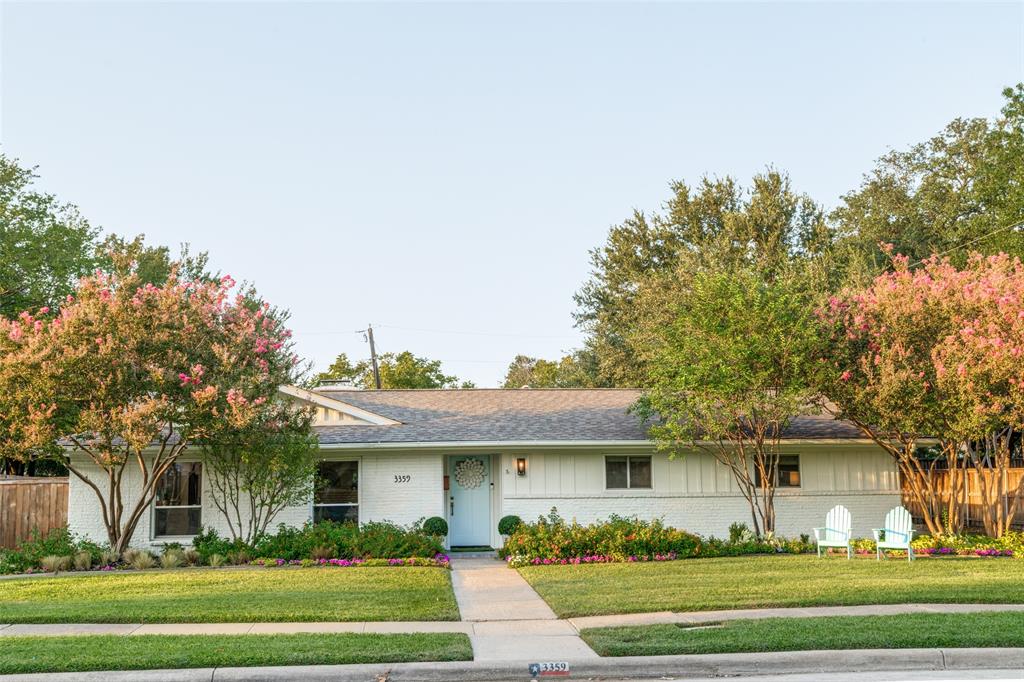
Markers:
(520, 466)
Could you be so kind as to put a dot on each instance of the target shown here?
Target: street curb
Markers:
(635, 667)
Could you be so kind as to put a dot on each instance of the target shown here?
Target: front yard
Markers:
(117, 652)
(798, 634)
(767, 581)
(232, 595)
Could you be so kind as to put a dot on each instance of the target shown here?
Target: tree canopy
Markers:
(576, 370)
(45, 245)
(397, 370)
(951, 194)
(730, 371)
(715, 226)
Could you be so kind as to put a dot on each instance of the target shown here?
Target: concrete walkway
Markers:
(482, 629)
(510, 621)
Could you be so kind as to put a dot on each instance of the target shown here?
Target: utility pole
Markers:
(373, 356)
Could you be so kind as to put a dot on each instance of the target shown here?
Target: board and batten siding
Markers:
(698, 494)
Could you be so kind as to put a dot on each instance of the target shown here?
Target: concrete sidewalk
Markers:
(510, 621)
(816, 664)
(550, 627)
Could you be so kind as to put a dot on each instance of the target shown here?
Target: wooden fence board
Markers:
(27, 503)
(974, 507)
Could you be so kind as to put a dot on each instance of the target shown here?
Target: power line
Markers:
(1005, 228)
(449, 331)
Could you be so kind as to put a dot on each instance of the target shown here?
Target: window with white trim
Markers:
(787, 473)
(178, 505)
(627, 472)
(337, 492)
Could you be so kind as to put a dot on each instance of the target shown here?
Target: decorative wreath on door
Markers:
(469, 473)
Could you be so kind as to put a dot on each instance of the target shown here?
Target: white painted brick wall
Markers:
(85, 517)
(712, 515)
(382, 498)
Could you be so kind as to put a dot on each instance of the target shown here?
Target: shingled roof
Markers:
(516, 415)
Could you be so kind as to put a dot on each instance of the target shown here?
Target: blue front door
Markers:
(469, 501)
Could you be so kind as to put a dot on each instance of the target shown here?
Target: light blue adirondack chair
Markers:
(897, 534)
(836, 532)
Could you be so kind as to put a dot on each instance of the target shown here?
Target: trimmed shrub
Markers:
(508, 524)
(435, 526)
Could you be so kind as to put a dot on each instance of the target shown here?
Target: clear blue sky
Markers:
(446, 167)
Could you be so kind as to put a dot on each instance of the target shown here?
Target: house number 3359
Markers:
(402, 478)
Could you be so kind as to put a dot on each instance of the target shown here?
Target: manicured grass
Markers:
(763, 581)
(117, 652)
(232, 595)
(800, 634)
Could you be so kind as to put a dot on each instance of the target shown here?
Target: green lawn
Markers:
(116, 652)
(799, 634)
(230, 595)
(762, 581)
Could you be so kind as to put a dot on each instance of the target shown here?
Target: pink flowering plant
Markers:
(131, 375)
(935, 351)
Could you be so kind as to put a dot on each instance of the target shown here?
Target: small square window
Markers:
(621, 473)
(787, 474)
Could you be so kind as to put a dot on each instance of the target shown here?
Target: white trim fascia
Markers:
(568, 444)
(339, 405)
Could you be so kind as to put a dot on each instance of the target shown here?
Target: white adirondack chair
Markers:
(897, 534)
(837, 530)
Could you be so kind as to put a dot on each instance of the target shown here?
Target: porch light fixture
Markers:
(520, 466)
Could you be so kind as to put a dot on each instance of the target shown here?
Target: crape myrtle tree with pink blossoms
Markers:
(936, 354)
(130, 375)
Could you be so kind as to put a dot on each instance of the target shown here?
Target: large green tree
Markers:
(730, 371)
(397, 370)
(45, 245)
(716, 225)
(958, 192)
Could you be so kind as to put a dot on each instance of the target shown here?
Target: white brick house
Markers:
(472, 456)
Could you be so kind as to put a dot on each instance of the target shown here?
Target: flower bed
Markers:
(322, 544)
(1010, 545)
(516, 560)
(441, 560)
(552, 540)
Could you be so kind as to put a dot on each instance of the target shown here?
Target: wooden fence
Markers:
(27, 503)
(974, 512)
